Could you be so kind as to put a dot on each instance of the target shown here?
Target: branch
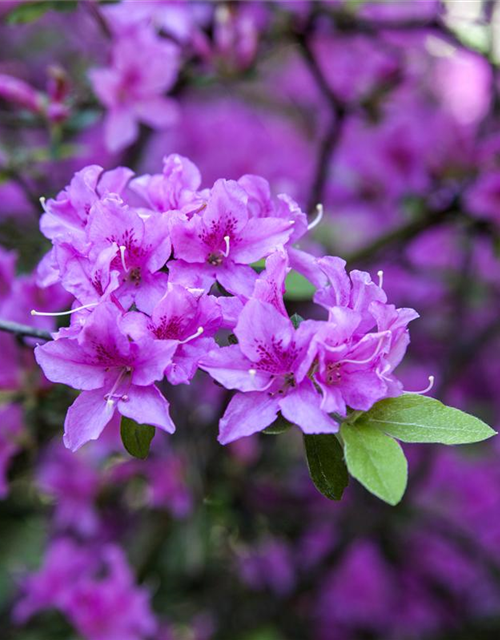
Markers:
(396, 237)
(331, 140)
(101, 21)
(24, 331)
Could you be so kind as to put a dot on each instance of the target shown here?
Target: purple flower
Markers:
(73, 483)
(113, 372)
(52, 585)
(143, 67)
(223, 240)
(136, 247)
(265, 368)
(188, 318)
(348, 361)
(111, 606)
(93, 587)
(175, 188)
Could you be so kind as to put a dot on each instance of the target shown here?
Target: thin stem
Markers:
(101, 21)
(24, 331)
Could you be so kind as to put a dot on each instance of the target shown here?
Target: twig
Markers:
(24, 331)
(331, 140)
(101, 21)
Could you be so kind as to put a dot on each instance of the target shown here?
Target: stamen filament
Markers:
(122, 255)
(227, 240)
(34, 312)
(253, 373)
(199, 331)
(318, 218)
(426, 390)
(110, 397)
(380, 278)
(366, 360)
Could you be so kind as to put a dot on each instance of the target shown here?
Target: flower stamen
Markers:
(380, 275)
(34, 312)
(199, 331)
(318, 218)
(227, 240)
(426, 390)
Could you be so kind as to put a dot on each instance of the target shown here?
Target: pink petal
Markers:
(246, 414)
(301, 406)
(146, 405)
(86, 418)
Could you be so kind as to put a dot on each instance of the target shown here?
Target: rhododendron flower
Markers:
(68, 212)
(94, 587)
(175, 188)
(143, 67)
(141, 248)
(113, 373)
(264, 368)
(223, 240)
(188, 318)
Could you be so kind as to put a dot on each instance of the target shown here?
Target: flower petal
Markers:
(86, 418)
(301, 406)
(246, 414)
(146, 405)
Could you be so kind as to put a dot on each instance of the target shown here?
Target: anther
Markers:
(426, 390)
(380, 275)
(227, 240)
(318, 218)
(43, 199)
(34, 312)
(199, 331)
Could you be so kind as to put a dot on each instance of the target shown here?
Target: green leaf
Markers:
(413, 418)
(375, 460)
(68, 5)
(296, 320)
(28, 12)
(136, 438)
(298, 288)
(279, 426)
(325, 459)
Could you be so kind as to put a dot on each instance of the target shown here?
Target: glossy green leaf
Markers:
(413, 418)
(279, 426)
(298, 288)
(136, 438)
(375, 460)
(325, 459)
(28, 12)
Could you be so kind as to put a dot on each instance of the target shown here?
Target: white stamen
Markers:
(34, 312)
(112, 396)
(253, 373)
(380, 278)
(227, 240)
(43, 199)
(318, 218)
(366, 360)
(199, 331)
(122, 255)
(426, 390)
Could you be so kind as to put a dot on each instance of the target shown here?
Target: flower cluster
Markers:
(165, 273)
